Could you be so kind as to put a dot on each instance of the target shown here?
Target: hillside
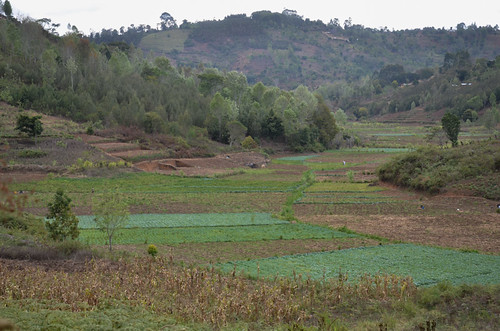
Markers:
(285, 50)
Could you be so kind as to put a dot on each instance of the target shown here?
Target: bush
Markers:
(152, 250)
(430, 169)
(249, 143)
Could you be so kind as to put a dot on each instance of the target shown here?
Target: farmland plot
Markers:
(200, 234)
(188, 220)
(426, 265)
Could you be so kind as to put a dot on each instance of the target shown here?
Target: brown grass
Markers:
(195, 294)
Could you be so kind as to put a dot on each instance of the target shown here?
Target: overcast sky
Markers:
(94, 15)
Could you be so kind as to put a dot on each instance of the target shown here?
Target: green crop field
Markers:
(322, 198)
(342, 187)
(154, 183)
(202, 234)
(426, 265)
(296, 158)
(188, 220)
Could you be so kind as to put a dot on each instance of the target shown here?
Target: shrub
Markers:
(152, 250)
(430, 169)
(249, 143)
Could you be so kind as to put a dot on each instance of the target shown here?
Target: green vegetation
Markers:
(31, 153)
(451, 125)
(31, 125)
(426, 265)
(202, 234)
(61, 223)
(342, 187)
(111, 215)
(356, 269)
(188, 220)
(432, 169)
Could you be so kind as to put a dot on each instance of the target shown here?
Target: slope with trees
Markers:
(114, 84)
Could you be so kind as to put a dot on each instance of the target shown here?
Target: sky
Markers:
(94, 15)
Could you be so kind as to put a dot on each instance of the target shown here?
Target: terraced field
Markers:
(356, 223)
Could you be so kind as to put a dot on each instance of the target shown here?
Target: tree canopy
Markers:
(451, 126)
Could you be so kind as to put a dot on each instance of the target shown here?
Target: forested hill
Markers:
(284, 50)
(109, 82)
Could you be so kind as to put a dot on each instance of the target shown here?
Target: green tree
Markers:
(7, 8)
(340, 117)
(31, 125)
(153, 123)
(470, 115)
(325, 122)
(49, 66)
(273, 126)
(61, 223)
(111, 215)
(72, 67)
(451, 126)
(221, 112)
(210, 82)
(491, 118)
(493, 99)
(237, 132)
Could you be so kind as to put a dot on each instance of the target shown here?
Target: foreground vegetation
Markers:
(168, 295)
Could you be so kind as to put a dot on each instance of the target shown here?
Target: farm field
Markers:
(426, 265)
(316, 218)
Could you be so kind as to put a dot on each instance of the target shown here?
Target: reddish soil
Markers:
(205, 166)
(473, 226)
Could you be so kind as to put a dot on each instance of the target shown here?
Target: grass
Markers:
(426, 265)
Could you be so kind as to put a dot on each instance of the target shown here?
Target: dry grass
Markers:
(195, 294)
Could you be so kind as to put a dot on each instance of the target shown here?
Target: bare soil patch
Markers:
(463, 231)
(205, 166)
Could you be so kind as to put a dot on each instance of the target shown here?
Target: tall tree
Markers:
(221, 112)
(451, 126)
(167, 21)
(325, 122)
(237, 132)
(7, 8)
(111, 215)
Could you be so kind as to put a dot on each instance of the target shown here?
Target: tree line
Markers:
(115, 84)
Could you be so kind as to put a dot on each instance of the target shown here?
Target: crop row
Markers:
(342, 187)
(374, 150)
(296, 158)
(213, 234)
(188, 220)
(426, 265)
(343, 198)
